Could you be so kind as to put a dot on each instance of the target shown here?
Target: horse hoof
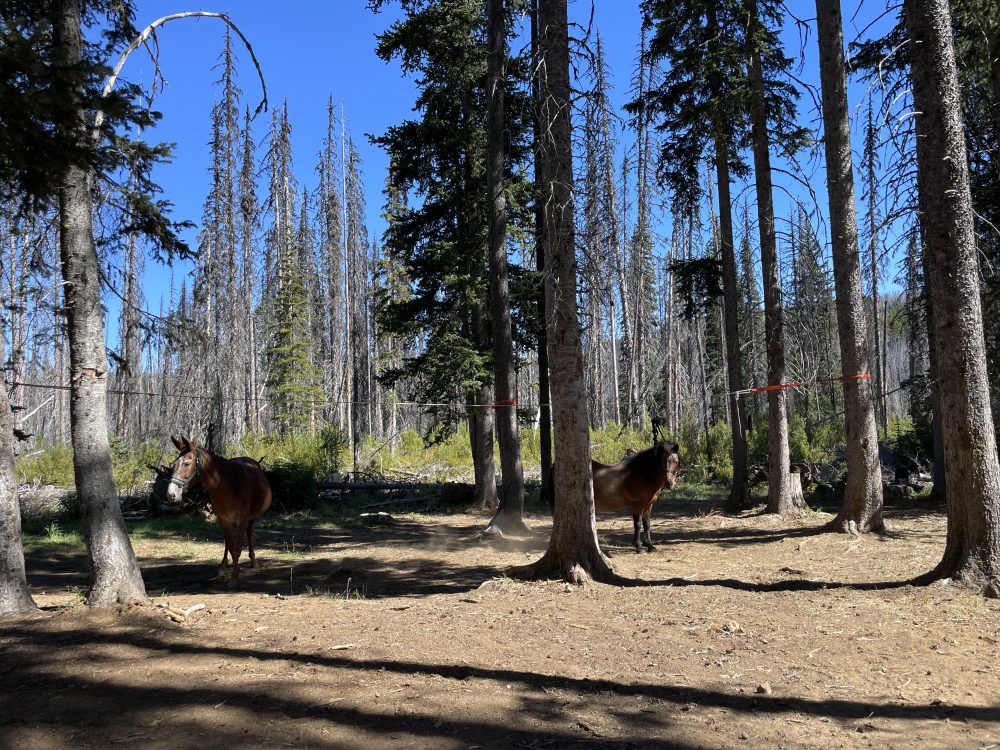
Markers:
(650, 548)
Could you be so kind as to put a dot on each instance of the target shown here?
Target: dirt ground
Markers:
(741, 632)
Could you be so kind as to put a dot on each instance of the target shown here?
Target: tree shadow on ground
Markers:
(288, 563)
(728, 537)
(348, 576)
(83, 705)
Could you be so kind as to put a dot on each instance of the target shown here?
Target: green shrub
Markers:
(798, 441)
(722, 451)
(828, 438)
(444, 457)
(293, 486)
(51, 466)
(910, 441)
(610, 443)
(131, 468)
(321, 452)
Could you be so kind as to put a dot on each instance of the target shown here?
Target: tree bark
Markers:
(862, 509)
(938, 493)
(993, 51)
(972, 471)
(544, 407)
(510, 515)
(115, 575)
(15, 598)
(573, 551)
(739, 496)
(481, 431)
(778, 499)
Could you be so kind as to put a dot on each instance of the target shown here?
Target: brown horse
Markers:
(635, 483)
(238, 493)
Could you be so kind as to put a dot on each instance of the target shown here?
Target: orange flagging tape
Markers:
(505, 402)
(761, 389)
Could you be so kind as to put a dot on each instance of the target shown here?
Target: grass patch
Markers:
(169, 526)
(290, 550)
(53, 533)
(348, 594)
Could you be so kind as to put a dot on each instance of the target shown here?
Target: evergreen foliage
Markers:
(437, 230)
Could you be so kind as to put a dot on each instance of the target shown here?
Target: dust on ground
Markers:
(751, 631)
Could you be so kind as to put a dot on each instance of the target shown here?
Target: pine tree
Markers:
(573, 551)
(702, 107)
(116, 575)
(862, 508)
(771, 110)
(509, 516)
(293, 380)
(248, 220)
(440, 236)
(972, 550)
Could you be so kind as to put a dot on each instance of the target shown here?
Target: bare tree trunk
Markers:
(510, 515)
(573, 552)
(739, 497)
(972, 471)
(778, 500)
(114, 570)
(15, 597)
(862, 509)
(481, 439)
(938, 485)
(544, 406)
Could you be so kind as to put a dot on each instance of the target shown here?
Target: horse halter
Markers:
(183, 483)
(670, 468)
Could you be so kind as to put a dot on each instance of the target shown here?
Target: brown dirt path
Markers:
(741, 632)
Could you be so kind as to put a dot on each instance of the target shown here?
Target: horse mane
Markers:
(645, 457)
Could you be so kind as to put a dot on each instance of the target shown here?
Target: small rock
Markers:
(732, 627)
(764, 688)
(744, 736)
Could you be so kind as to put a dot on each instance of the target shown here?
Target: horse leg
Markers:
(227, 534)
(635, 533)
(646, 533)
(241, 531)
(250, 553)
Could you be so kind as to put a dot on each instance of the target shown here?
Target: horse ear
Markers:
(177, 443)
(676, 448)
(186, 443)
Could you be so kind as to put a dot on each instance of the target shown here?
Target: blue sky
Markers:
(308, 51)
(312, 50)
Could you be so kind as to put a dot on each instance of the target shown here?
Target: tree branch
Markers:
(149, 30)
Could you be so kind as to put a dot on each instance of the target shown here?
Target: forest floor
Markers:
(750, 631)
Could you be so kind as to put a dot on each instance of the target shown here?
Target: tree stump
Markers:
(795, 495)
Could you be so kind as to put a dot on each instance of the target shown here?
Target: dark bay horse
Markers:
(238, 493)
(634, 483)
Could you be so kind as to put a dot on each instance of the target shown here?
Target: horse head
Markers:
(185, 469)
(670, 462)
